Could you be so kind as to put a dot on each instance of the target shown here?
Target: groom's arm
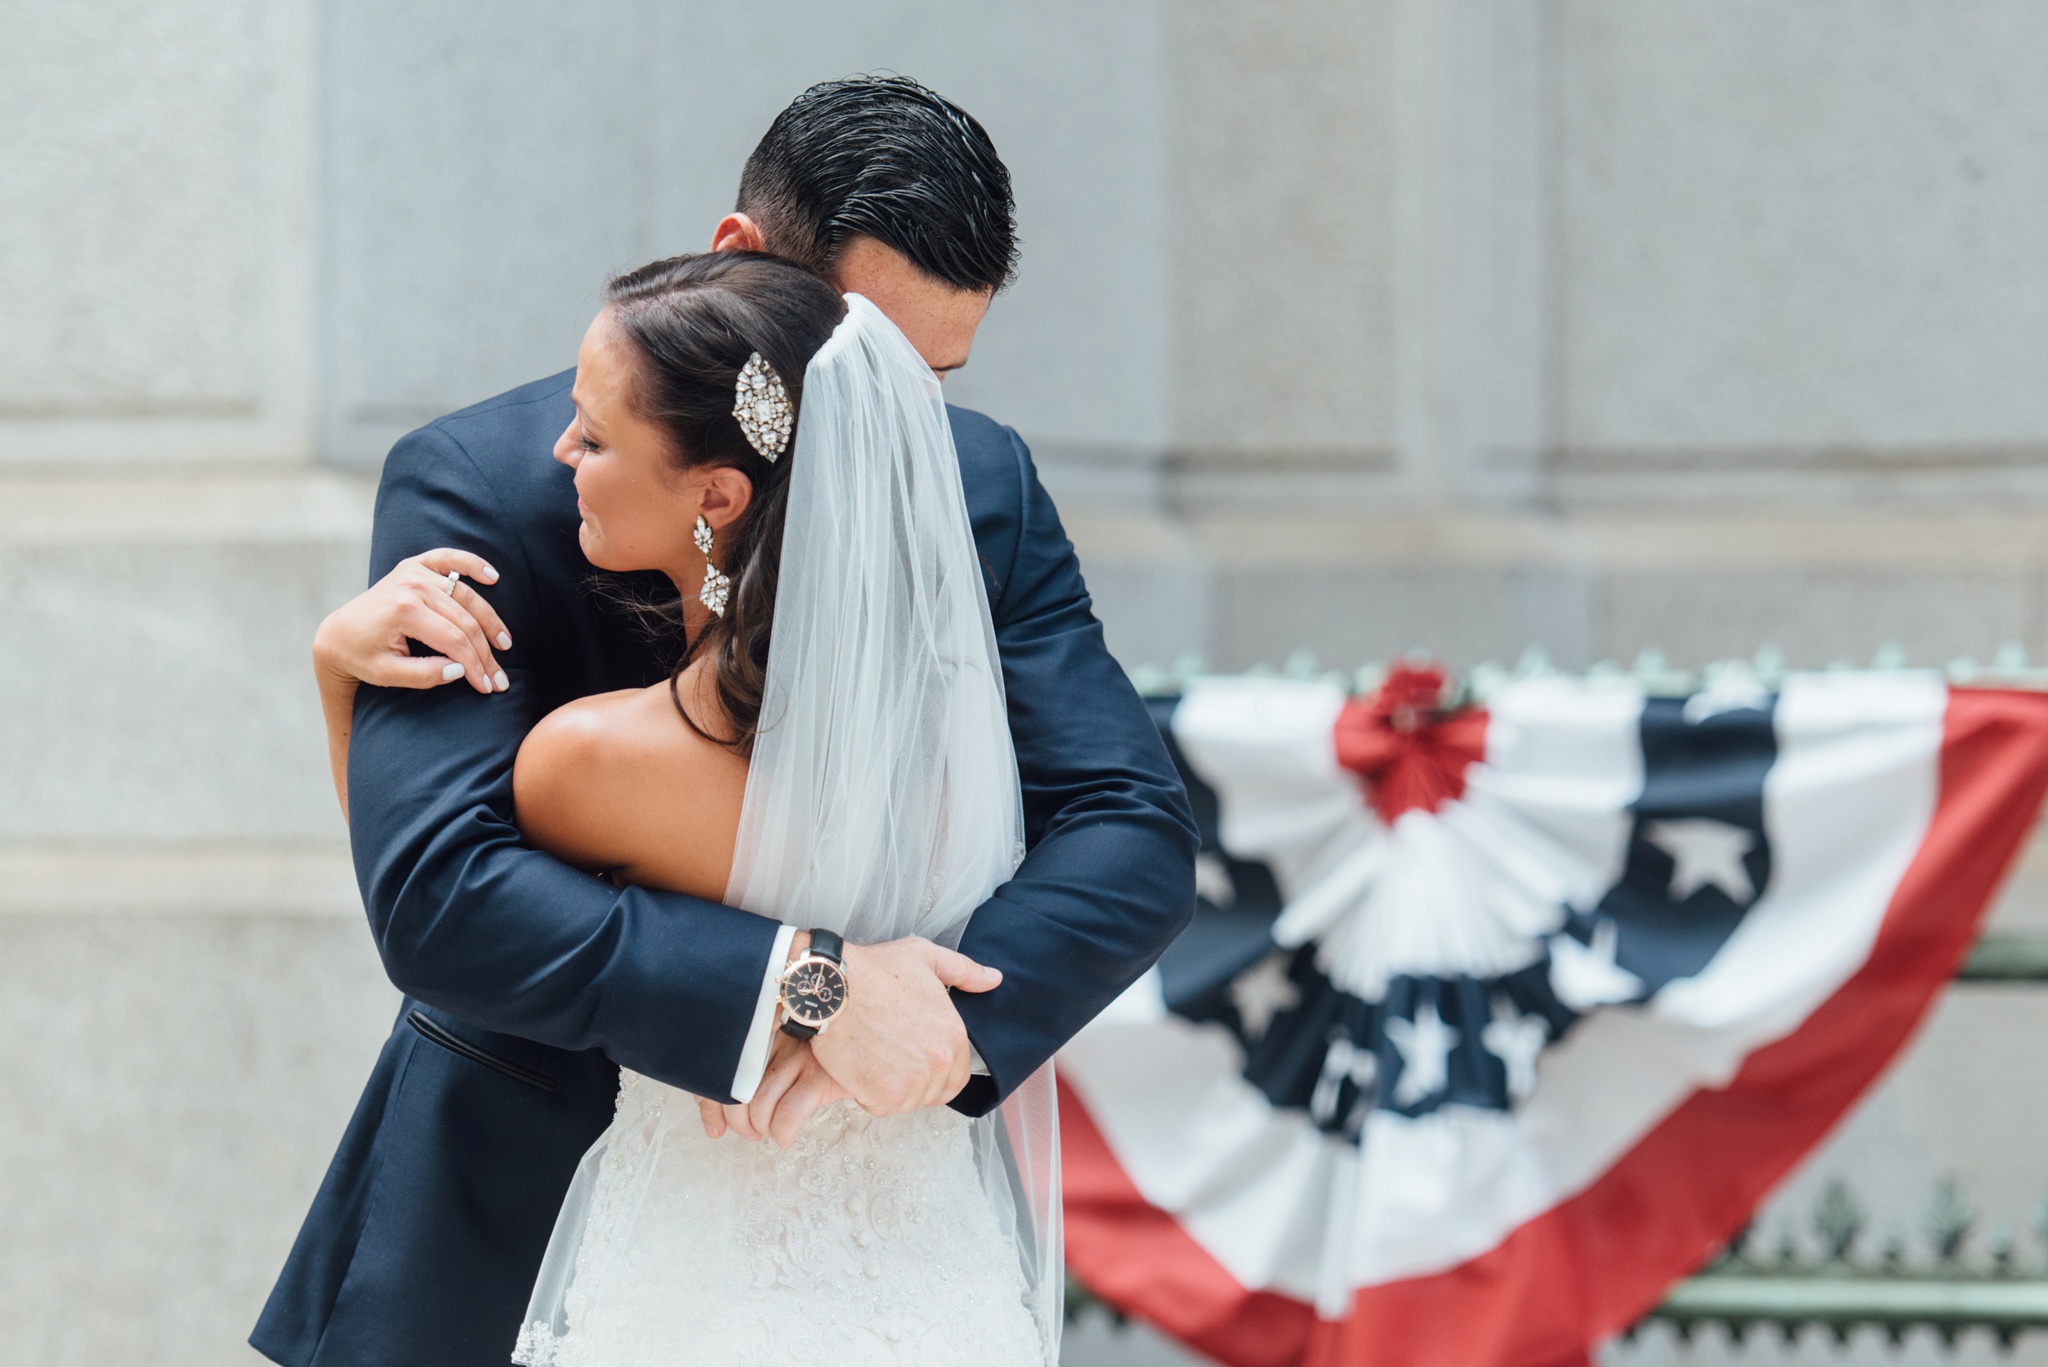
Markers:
(1109, 880)
(469, 918)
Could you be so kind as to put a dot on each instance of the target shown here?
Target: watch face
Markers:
(814, 991)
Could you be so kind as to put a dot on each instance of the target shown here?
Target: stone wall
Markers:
(155, 255)
(488, 165)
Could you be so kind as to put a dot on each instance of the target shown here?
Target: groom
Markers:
(527, 982)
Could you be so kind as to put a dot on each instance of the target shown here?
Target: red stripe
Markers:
(1597, 1262)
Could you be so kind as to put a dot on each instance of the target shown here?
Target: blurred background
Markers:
(1344, 326)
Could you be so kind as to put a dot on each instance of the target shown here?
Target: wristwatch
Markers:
(814, 987)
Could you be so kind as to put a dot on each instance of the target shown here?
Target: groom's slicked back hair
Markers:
(883, 157)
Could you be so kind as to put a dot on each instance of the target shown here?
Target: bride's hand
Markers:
(367, 637)
(793, 1086)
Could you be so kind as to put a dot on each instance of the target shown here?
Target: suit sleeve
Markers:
(469, 918)
(1109, 880)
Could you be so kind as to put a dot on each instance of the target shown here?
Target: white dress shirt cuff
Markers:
(754, 1054)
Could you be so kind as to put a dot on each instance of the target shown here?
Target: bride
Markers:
(831, 750)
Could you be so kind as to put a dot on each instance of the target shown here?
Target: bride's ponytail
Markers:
(695, 321)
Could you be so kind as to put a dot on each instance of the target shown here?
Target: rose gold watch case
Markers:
(813, 991)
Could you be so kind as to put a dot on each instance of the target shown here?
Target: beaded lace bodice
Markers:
(869, 1243)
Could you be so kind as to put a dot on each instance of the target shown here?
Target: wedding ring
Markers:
(454, 578)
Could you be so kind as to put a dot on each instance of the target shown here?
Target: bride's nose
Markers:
(568, 447)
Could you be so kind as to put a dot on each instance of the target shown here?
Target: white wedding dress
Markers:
(871, 1243)
(882, 801)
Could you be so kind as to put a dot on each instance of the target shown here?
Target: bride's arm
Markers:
(369, 640)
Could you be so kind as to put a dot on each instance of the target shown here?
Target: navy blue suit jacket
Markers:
(528, 982)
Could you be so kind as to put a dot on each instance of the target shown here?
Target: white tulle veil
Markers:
(882, 799)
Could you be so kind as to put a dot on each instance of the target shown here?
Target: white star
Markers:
(1704, 851)
(1425, 1044)
(1516, 1040)
(1585, 976)
(1263, 992)
(1342, 1062)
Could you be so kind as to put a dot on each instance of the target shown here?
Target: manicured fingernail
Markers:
(451, 670)
(489, 576)
(501, 681)
(504, 640)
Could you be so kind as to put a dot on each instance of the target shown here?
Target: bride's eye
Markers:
(585, 442)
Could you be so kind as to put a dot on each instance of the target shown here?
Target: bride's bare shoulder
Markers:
(601, 729)
(617, 781)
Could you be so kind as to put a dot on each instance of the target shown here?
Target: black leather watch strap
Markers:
(826, 945)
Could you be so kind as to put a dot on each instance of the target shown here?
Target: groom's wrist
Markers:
(798, 943)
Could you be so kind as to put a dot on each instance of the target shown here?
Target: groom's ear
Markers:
(737, 233)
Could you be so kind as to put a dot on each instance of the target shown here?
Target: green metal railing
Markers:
(1952, 1291)
(2007, 957)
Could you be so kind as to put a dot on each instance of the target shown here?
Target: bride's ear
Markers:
(725, 496)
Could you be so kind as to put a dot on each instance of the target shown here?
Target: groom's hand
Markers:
(898, 1044)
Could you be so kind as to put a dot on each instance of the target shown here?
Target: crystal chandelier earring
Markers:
(716, 586)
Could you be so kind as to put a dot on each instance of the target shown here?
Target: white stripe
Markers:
(1283, 796)
(1142, 1003)
(1564, 759)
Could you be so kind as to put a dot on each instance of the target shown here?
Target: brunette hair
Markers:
(887, 158)
(694, 322)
